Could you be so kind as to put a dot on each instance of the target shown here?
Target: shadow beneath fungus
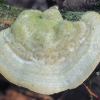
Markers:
(9, 91)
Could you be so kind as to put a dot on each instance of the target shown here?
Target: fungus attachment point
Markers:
(47, 54)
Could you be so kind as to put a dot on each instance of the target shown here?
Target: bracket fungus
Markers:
(47, 54)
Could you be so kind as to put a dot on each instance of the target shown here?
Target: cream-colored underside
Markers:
(62, 75)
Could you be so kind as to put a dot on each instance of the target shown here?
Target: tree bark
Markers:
(9, 13)
(82, 5)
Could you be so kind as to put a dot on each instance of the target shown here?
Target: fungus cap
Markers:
(47, 54)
